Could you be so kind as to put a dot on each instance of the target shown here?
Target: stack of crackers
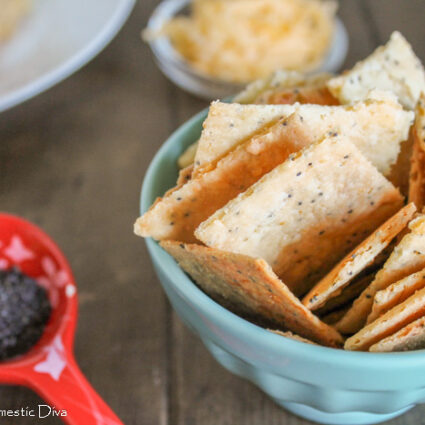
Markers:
(301, 205)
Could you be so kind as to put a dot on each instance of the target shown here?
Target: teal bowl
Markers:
(322, 384)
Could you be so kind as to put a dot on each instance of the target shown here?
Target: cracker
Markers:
(396, 293)
(188, 156)
(393, 67)
(389, 323)
(417, 170)
(307, 213)
(376, 126)
(182, 209)
(230, 124)
(185, 174)
(408, 257)
(277, 81)
(333, 316)
(291, 335)
(314, 94)
(358, 259)
(411, 337)
(347, 294)
(251, 283)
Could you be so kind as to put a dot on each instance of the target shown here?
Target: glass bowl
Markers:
(176, 69)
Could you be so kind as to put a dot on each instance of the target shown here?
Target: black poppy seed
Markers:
(239, 271)
(300, 203)
(270, 215)
(313, 201)
(181, 246)
(368, 296)
(187, 214)
(197, 163)
(299, 173)
(350, 273)
(350, 211)
(346, 156)
(372, 203)
(171, 223)
(310, 164)
(25, 310)
(179, 198)
(321, 232)
(354, 234)
(301, 118)
(285, 123)
(289, 195)
(343, 220)
(230, 230)
(320, 193)
(187, 177)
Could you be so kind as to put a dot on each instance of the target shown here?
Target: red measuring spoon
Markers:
(49, 368)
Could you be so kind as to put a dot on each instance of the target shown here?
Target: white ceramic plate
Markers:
(56, 38)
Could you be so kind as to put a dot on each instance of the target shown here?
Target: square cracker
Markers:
(408, 257)
(177, 214)
(279, 80)
(393, 67)
(411, 337)
(251, 284)
(291, 335)
(377, 126)
(230, 124)
(389, 323)
(417, 170)
(395, 294)
(307, 213)
(314, 94)
(358, 259)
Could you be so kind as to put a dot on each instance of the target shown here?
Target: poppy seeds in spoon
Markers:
(24, 312)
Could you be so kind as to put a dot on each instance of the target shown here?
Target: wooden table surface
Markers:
(72, 161)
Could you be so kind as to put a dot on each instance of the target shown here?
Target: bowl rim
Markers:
(163, 50)
(253, 333)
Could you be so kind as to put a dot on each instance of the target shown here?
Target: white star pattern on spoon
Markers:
(17, 251)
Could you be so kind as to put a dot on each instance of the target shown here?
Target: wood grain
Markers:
(72, 161)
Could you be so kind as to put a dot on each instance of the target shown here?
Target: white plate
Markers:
(56, 38)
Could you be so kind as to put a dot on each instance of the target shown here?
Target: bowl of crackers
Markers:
(286, 228)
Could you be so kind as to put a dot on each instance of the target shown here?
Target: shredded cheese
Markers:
(243, 40)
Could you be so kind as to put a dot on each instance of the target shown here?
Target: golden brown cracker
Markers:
(177, 214)
(251, 283)
(291, 335)
(396, 293)
(318, 95)
(411, 337)
(417, 170)
(389, 323)
(358, 259)
(307, 213)
(408, 257)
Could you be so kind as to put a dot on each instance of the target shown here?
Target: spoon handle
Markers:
(64, 387)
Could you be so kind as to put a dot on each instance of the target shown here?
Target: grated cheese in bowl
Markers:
(242, 40)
